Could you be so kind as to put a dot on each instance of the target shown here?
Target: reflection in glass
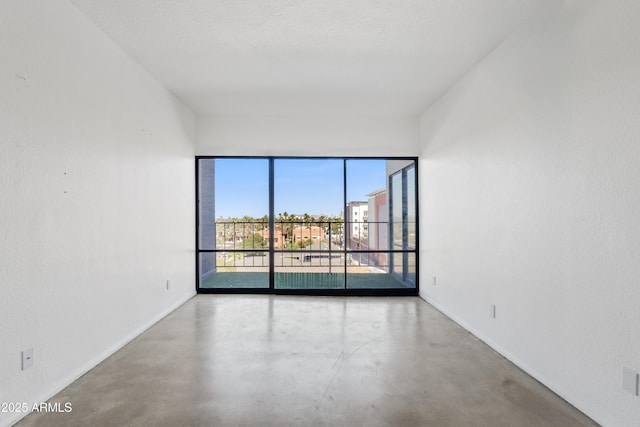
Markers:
(410, 184)
(397, 209)
(403, 226)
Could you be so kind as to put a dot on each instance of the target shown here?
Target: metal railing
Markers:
(303, 251)
(313, 245)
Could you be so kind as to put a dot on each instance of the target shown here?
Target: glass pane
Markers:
(396, 212)
(410, 277)
(241, 203)
(206, 205)
(367, 209)
(308, 196)
(398, 264)
(371, 270)
(309, 270)
(233, 203)
(234, 270)
(308, 202)
(411, 207)
(233, 208)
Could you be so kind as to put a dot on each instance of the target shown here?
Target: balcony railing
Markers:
(296, 235)
(327, 248)
(297, 244)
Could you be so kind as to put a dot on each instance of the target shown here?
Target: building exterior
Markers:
(308, 232)
(278, 237)
(356, 224)
(378, 225)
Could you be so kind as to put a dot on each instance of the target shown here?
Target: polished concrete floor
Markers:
(307, 361)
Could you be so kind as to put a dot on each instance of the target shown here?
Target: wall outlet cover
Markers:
(27, 358)
(630, 380)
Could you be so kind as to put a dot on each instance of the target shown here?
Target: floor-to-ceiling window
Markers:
(307, 225)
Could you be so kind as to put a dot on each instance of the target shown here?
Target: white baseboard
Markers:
(551, 385)
(62, 384)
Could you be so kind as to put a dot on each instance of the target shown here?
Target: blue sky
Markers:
(313, 186)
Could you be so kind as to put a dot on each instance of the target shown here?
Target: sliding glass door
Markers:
(307, 225)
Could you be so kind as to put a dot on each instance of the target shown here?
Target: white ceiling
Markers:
(306, 57)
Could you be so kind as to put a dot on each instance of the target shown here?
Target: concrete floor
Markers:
(307, 361)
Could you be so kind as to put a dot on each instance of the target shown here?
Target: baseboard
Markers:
(551, 385)
(62, 384)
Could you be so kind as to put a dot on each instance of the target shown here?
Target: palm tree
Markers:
(263, 223)
(321, 221)
(285, 221)
(247, 225)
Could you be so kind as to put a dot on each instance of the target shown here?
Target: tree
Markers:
(286, 221)
(263, 222)
(322, 222)
(253, 241)
(301, 244)
(337, 229)
(336, 225)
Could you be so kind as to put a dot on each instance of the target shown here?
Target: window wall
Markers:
(307, 225)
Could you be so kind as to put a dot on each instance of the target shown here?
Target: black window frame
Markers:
(346, 291)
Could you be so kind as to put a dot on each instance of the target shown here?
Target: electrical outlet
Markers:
(492, 311)
(630, 381)
(27, 358)
(168, 284)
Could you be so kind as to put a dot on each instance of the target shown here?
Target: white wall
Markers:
(530, 200)
(96, 178)
(308, 136)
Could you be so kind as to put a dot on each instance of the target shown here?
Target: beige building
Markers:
(278, 237)
(308, 232)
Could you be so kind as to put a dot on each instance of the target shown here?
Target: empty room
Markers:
(340, 213)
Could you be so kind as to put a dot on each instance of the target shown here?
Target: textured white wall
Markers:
(530, 200)
(308, 136)
(96, 178)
